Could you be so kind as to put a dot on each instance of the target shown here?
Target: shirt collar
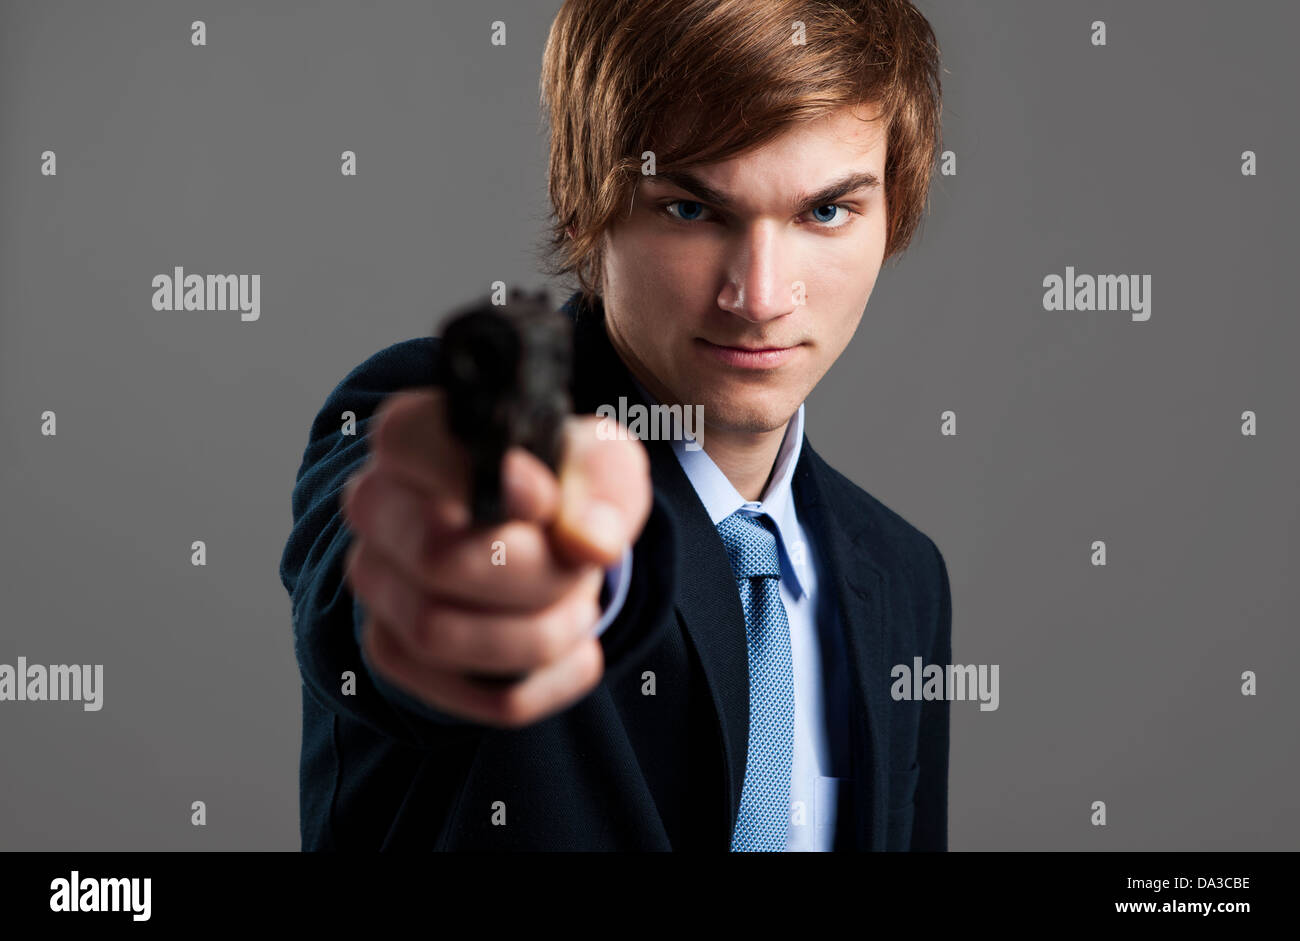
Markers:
(721, 499)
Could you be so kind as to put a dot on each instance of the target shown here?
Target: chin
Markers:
(751, 416)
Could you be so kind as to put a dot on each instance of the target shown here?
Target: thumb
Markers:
(605, 493)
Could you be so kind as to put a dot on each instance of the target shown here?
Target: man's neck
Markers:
(747, 459)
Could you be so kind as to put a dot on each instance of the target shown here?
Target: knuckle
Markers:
(408, 528)
(550, 635)
(463, 637)
(527, 543)
(461, 568)
(449, 634)
(488, 650)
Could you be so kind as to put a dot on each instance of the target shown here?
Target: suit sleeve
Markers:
(328, 621)
(930, 824)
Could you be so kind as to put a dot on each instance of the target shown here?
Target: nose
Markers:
(759, 286)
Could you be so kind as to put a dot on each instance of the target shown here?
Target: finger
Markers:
(391, 515)
(410, 438)
(530, 489)
(401, 525)
(605, 493)
(514, 705)
(512, 566)
(451, 637)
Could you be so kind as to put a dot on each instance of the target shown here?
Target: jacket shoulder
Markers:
(401, 365)
(909, 558)
(869, 520)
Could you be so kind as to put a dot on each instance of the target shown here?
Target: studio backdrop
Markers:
(1079, 380)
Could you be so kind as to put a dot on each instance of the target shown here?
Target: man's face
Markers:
(701, 278)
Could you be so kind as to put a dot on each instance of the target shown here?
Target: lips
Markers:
(752, 347)
(749, 357)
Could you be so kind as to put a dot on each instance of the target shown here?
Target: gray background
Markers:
(1118, 683)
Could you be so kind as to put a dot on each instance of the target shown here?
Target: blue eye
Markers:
(843, 221)
(685, 202)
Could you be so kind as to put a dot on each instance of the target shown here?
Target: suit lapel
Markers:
(708, 605)
(707, 602)
(858, 585)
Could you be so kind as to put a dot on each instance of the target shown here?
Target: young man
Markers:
(729, 687)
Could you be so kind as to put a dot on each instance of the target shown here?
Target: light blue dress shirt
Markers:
(819, 787)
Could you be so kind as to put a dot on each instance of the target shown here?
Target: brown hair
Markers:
(723, 76)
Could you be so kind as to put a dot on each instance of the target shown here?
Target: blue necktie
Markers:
(765, 797)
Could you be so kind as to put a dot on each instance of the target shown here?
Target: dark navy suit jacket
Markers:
(618, 770)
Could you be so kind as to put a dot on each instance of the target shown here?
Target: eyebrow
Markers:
(832, 191)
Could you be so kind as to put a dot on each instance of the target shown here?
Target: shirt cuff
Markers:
(617, 581)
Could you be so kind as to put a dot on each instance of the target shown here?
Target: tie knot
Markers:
(751, 546)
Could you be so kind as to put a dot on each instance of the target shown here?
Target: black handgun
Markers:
(506, 369)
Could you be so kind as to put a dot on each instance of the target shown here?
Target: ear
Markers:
(570, 232)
